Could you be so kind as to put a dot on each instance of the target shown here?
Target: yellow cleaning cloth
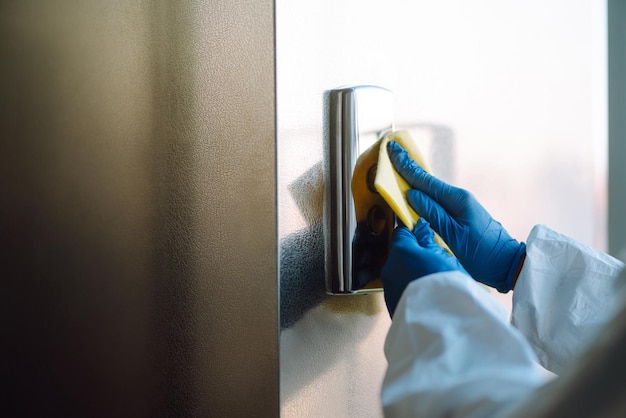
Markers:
(392, 187)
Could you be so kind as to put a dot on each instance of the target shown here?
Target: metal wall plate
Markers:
(356, 117)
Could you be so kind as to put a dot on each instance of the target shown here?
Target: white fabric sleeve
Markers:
(452, 352)
(564, 294)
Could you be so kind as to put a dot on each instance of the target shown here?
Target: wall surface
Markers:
(138, 209)
(506, 98)
(617, 127)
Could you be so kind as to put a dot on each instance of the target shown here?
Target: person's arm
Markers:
(565, 293)
(451, 352)
(450, 349)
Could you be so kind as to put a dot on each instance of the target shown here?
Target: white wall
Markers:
(521, 86)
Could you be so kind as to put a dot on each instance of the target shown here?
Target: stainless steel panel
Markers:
(138, 208)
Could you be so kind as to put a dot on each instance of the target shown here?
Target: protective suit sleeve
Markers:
(565, 293)
(451, 352)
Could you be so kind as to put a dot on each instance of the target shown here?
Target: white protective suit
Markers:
(452, 351)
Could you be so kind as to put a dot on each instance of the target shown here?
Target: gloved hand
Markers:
(411, 256)
(481, 244)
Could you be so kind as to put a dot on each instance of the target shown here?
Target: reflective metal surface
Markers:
(356, 118)
(134, 210)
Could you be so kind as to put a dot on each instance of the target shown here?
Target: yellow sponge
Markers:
(392, 187)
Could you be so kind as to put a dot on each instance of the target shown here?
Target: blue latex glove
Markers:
(411, 256)
(481, 244)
